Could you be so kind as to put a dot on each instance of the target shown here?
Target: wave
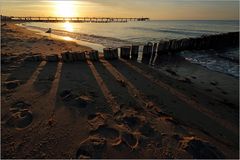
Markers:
(105, 41)
(231, 54)
(177, 31)
(226, 61)
(220, 61)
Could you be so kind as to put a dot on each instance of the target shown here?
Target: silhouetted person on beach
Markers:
(49, 30)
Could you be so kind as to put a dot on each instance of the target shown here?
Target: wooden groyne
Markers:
(151, 51)
(71, 19)
(230, 39)
(218, 41)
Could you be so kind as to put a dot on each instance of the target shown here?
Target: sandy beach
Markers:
(111, 109)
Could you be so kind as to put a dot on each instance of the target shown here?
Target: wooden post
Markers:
(93, 55)
(106, 53)
(147, 51)
(134, 52)
(154, 54)
(115, 53)
(52, 58)
(125, 52)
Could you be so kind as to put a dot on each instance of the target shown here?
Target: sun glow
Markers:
(68, 26)
(64, 8)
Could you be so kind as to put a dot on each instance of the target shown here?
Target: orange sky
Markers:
(154, 9)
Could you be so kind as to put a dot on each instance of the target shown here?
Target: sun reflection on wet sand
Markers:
(67, 38)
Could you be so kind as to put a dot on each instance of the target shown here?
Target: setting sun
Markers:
(64, 8)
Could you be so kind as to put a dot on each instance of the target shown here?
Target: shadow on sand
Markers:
(173, 106)
(24, 72)
(118, 90)
(44, 81)
(77, 81)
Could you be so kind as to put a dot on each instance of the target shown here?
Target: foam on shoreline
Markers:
(218, 61)
(94, 46)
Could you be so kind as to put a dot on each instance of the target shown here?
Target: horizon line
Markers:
(151, 19)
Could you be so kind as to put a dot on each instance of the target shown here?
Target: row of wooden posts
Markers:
(150, 50)
(127, 52)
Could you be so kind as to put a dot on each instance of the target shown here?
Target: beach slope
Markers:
(111, 109)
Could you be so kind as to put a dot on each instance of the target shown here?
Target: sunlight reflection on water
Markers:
(68, 27)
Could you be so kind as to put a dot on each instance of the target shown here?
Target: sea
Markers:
(100, 35)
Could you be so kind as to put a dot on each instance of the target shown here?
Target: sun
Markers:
(64, 8)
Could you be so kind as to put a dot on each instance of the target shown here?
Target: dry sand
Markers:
(111, 109)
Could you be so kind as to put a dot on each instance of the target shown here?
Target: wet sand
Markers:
(112, 109)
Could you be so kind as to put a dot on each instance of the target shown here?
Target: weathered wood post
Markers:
(134, 52)
(37, 57)
(81, 56)
(147, 51)
(115, 53)
(32, 58)
(160, 47)
(172, 47)
(93, 55)
(106, 53)
(73, 56)
(160, 50)
(125, 52)
(52, 58)
(110, 53)
(154, 54)
(67, 57)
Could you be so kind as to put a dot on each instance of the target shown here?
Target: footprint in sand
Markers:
(20, 105)
(12, 84)
(20, 119)
(96, 120)
(129, 119)
(200, 149)
(171, 120)
(147, 130)
(132, 121)
(92, 147)
(74, 99)
(19, 116)
(107, 132)
(130, 139)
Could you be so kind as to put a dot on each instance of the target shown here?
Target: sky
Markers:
(153, 9)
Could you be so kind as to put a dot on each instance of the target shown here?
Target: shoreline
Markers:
(124, 108)
(96, 45)
(92, 39)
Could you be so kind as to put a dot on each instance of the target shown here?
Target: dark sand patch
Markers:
(44, 80)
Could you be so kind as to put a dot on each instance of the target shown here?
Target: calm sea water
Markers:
(118, 34)
(145, 31)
